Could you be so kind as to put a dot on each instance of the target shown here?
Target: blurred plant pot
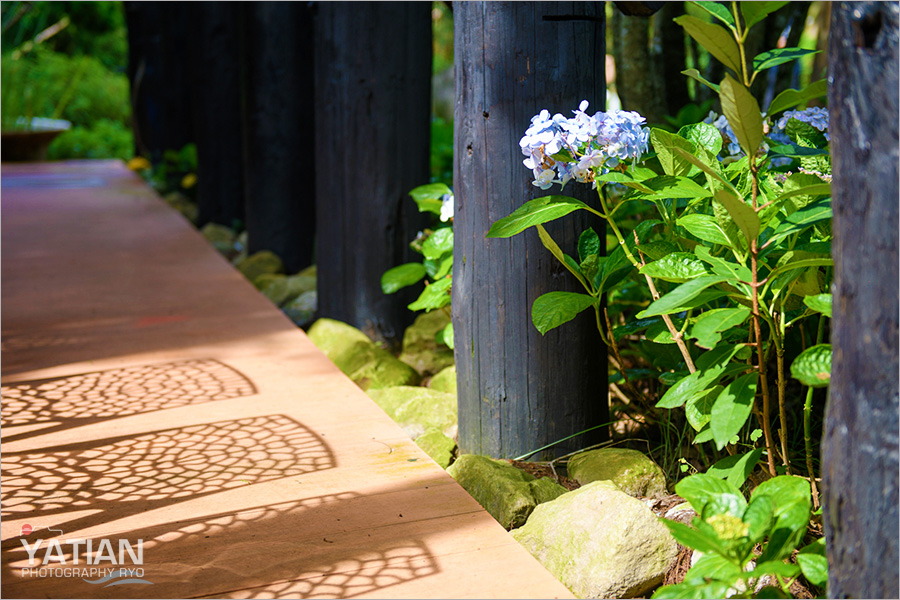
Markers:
(31, 141)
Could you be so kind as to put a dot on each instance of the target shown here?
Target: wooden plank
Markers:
(248, 464)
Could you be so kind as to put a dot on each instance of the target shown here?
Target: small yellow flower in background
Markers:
(139, 163)
(189, 181)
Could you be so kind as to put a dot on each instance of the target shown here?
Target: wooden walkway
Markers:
(151, 393)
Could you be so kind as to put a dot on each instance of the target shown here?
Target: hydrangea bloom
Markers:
(595, 143)
(732, 147)
(815, 116)
(446, 207)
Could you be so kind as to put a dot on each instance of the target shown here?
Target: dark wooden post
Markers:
(860, 446)
(158, 59)
(279, 138)
(216, 99)
(518, 390)
(373, 99)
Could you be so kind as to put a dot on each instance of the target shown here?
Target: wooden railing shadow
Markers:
(76, 400)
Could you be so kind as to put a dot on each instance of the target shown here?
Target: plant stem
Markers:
(782, 414)
(807, 435)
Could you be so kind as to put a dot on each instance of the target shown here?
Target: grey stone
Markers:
(632, 471)
(301, 310)
(369, 366)
(507, 493)
(260, 263)
(600, 542)
(221, 238)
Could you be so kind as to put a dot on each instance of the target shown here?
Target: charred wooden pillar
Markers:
(373, 106)
(279, 144)
(860, 446)
(519, 390)
(216, 100)
(158, 69)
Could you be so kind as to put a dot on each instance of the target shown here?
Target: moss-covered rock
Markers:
(600, 542)
(445, 380)
(634, 473)
(260, 263)
(420, 348)
(221, 238)
(266, 279)
(282, 289)
(418, 409)
(507, 493)
(301, 310)
(369, 366)
(438, 446)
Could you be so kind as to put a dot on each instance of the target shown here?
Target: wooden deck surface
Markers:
(151, 393)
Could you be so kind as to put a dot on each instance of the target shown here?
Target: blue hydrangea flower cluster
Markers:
(731, 147)
(815, 116)
(595, 143)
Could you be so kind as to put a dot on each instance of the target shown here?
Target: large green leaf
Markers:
(791, 498)
(739, 272)
(428, 197)
(813, 366)
(588, 244)
(742, 112)
(680, 295)
(818, 189)
(697, 408)
(701, 489)
(704, 227)
(438, 243)
(433, 296)
(759, 516)
(814, 563)
(703, 135)
(668, 186)
(677, 267)
(696, 76)
(779, 56)
(665, 143)
(708, 327)
(555, 308)
(534, 212)
(445, 335)
(708, 169)
(819, 303)
(565, 259)
(691, 538)
(717, 41)
(754, 12)
(718, 10)
(402, 276)
(790, 98)
(743, 215)
(802, 264)
(809, 215)
(735, 469)
(715, 363)
(732, 407)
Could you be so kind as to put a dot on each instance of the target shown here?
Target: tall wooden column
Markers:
(279, 141)
(860, 446)
(519, 390)
(373, 106)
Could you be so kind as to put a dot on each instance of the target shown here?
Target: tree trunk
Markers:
(519, 390)
(860, 445)
(278, 129)
(373, 107)
(216, 100)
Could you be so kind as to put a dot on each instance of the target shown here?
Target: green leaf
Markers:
(742, 112)
(677, 267)
(802, 264)
(708, 169)
(717, 10)
(818, 189)
(791, 498)
(445, 335)
(703, 135)
(696, 76)
(438, 243)
(736, 469)
(443, 266)
(665, 143)
(691, 537)
(657, 249)
(813, 366)
(402, 276)
(433, 296)
(667, 186)
(754, 12)
(774, 567)
(534, 212)
(790, 98)
(708, 327)
(794, 151)
(428, 197)
(779, 56)
(555, 308)
(588, 244)
(732, 407)
(759, 516)
(659, 332)
(743, 215)
(702, 489)
(704, 227)
(713, 568)
(819, 303)
(697, 408)
(710, 368)
(809, 215)
(814, 563)
(680, 295)
(717, 41)
(565, 259)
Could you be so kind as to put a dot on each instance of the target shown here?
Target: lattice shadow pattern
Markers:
(161, 467)
(121, 392)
